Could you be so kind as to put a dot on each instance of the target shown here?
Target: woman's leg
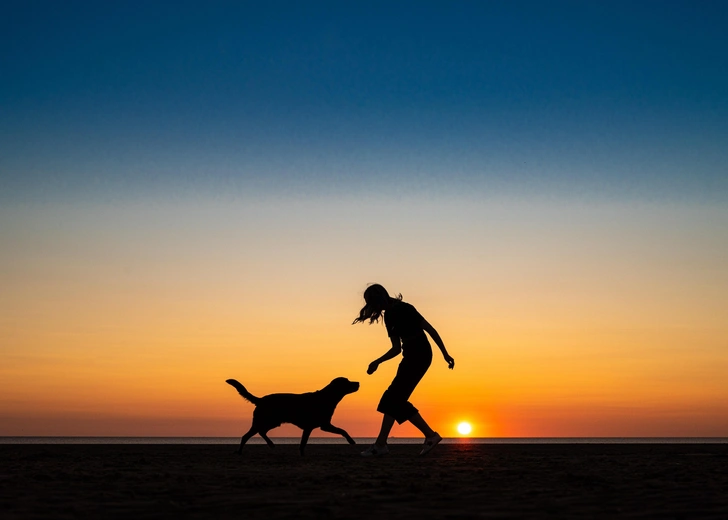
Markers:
(387, 423)
(421, 425)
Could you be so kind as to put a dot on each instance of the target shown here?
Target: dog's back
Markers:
(309, 410)
(303, 410)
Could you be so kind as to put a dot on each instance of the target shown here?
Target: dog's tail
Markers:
(242, 391)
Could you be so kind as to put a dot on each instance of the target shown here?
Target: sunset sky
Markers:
(202, 192)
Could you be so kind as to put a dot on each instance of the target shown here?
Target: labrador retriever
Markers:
(307, 411)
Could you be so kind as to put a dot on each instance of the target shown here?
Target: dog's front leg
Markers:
(304, 439)
(333, 429)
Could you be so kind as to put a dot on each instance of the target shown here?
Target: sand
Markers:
(333, 481)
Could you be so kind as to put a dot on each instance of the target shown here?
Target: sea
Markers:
(365, 440)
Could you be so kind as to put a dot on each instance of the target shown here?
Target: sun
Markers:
(464, 428)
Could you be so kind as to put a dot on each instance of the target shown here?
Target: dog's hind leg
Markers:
(333, 429)
(304, 439)
(266, 439)
(252, 431)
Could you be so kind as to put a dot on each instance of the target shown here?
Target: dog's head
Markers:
(343, 386)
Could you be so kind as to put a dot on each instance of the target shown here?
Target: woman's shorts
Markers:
(416, 360)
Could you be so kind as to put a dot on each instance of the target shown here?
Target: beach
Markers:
(676, 481)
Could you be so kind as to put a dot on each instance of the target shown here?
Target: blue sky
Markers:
(617, 99)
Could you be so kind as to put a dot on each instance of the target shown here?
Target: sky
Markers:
(203, 191)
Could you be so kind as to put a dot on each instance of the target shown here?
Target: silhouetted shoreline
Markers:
(333, 481)
(360, 440)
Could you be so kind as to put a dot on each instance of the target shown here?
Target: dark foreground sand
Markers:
(333, 481)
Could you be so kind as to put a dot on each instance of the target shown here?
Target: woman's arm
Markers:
(438, 340)
(391, 353)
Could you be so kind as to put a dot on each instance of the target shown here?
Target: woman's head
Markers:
(376, 300)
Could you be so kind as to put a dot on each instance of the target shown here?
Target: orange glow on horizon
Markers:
(133, 331)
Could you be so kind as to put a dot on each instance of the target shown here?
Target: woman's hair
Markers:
(376, 297)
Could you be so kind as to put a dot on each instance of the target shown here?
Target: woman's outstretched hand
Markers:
(450, 361)
(372, 367)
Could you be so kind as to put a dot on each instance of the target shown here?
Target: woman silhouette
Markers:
(406, 328)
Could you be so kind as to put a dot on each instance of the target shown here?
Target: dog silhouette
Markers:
(307, 411)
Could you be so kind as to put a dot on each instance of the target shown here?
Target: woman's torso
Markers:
(403, 321)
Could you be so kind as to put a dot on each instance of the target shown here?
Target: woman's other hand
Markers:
(450, 361)
(372, 367)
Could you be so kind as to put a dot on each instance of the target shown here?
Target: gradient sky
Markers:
(199, 192)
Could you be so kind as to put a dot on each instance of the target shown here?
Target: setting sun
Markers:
(464, 428)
